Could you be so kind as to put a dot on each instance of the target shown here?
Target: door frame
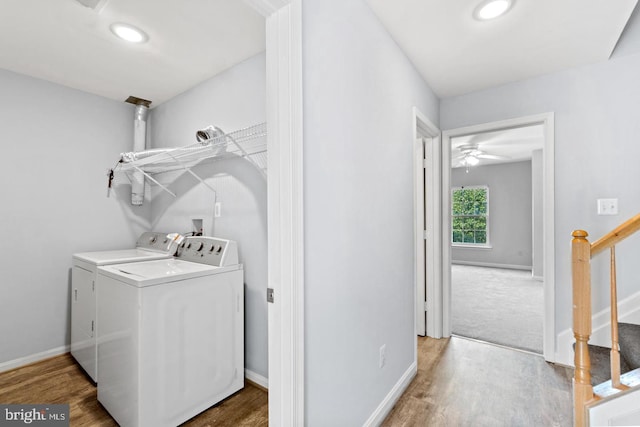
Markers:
(426, 202)
(285, 209)
(547, 120)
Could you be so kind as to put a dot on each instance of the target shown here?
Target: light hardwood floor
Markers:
(459, 383)
(467, 383)
(61, 380)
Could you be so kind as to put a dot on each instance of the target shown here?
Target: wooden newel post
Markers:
(581, 274)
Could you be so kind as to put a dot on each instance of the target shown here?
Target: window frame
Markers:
(487, 244)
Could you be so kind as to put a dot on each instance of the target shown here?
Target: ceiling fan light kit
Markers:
(470, 155)
(470, 160)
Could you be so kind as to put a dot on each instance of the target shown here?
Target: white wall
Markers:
(58, 144)
(232, 100)
(510, 218)
(359, 90)
(596, 156)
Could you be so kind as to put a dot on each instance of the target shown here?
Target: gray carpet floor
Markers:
(497, 305)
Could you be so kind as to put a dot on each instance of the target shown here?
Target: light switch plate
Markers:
(607, 206)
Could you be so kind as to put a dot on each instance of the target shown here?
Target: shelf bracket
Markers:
(246, 155)
(153, 180)
(192, 173)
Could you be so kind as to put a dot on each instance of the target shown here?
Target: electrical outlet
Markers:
(217, 210)
(607, 206)
(383, 356)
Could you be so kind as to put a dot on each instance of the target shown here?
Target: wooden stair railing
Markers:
(581, 254)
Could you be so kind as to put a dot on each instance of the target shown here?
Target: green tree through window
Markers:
(470, 214)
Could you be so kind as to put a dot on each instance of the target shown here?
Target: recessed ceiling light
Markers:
(491, 9)
(129, 33)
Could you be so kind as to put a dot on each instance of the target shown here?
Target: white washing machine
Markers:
(171, 337)
(84, 346)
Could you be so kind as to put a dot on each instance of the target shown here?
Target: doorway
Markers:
(285, 210)
(427, 222)
(545, 123)
(494, 295)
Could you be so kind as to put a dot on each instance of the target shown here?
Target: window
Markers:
(470, 216)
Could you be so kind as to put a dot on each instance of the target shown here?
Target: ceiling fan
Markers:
(470, 155)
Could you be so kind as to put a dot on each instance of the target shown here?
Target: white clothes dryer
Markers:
(171, 337)
(84, 346)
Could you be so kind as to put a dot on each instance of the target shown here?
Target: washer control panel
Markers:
(208, 250)
(160, 242)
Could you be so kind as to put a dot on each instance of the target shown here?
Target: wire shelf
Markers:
(250, 143)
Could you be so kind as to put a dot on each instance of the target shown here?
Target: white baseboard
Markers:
(27, 360)
(256, 378)
(494, 265)
(386, 405)
(628, 312)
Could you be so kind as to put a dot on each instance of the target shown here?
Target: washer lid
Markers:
(161, 271)
(119, 256)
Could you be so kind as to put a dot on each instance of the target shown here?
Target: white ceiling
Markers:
(515, 145)
(193, 40)
(67, 43)
(457, 54)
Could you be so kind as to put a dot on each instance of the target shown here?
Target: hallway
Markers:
(462, 382)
